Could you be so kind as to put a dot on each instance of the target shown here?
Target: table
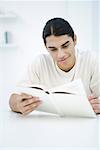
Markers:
(42, 131)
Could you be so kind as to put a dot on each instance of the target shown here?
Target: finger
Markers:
(91, 97)
(22, 108)
(25, 96)
(30, 108)
(27, 112)
(30, 101)
(97, 111)
(96, 106)
(95, 101)
(32, 105)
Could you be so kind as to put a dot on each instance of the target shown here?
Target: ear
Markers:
(75, 39)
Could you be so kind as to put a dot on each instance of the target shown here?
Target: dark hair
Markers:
(57, 27)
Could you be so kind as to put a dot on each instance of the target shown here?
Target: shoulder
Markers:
(89, 56)
(41, 60)
(89, 60)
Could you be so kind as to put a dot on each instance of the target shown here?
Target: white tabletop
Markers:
(41, 131)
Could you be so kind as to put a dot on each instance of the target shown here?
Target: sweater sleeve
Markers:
(95, 75)
(31, 75)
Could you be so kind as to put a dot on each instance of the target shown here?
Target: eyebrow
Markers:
(65, 43)
(61, 45)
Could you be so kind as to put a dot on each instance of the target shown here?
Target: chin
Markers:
(65, 67)
(62, 67)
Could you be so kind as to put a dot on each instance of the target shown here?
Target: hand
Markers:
(95, 102)
(24, 103)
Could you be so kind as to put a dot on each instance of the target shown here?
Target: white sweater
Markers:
(45, 71)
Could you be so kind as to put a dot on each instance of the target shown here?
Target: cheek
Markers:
(54, 55)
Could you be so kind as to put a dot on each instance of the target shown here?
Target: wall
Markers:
(85, 19)
(27, 32)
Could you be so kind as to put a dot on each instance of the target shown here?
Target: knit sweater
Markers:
(45, 71)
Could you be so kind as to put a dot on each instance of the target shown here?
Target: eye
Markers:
(53, 49)
(65, 46)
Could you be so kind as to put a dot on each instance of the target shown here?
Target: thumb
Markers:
(91, 97)
(25, 96)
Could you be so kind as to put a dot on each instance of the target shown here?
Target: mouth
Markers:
(62, 61)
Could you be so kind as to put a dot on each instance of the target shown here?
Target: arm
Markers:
(94, 98)
(23, 103)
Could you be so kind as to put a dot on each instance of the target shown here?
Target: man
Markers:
(63, 64)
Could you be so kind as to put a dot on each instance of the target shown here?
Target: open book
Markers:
(65, 100)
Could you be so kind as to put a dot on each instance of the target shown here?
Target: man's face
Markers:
(62, 50)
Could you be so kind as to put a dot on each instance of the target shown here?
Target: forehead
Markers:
(57, 40)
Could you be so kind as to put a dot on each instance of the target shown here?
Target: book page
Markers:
(46, 105)
(74, 87)
(72, 105)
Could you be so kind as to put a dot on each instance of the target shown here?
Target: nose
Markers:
(61, 53)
